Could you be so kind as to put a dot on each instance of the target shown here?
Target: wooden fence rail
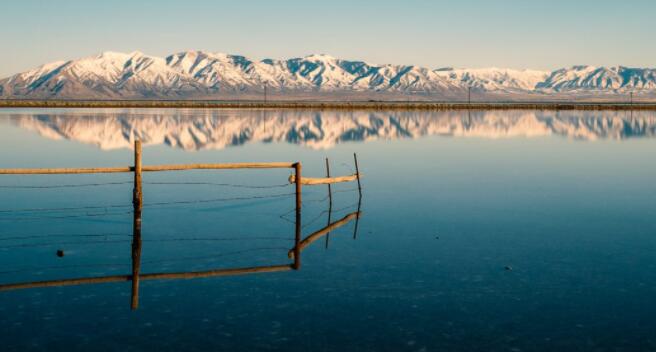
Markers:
(151, 168)
(310, 181)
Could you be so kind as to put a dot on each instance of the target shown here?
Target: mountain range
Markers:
(216, 129)
(203, 75)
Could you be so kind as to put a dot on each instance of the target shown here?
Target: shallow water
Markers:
(451, 201)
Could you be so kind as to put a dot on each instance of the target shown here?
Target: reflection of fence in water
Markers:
(138, 205)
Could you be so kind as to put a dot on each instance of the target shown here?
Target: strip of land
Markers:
(332, 105)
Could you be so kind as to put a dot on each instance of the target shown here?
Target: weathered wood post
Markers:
(297, 248)
(137, 203)
(137, 199)
(330, 200)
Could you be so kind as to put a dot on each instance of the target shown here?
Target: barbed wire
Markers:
(316, 218)
(29, 237)
(209, 239)
(116, 206)
(155, 240)
(100, 184)
(284, 215)
(288, 212)
(328, 196)
(215, 255)
(215, 200)
(59, 267)
(65, 185)
(62, 209)
(346, 190)
(321, 200)
(107, 206)
(65, 216)
(220, 184)
(348, 167)
(36, 245)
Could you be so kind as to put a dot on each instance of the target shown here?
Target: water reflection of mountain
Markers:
(216, 129)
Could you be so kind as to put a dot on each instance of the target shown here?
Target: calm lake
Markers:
(479, 231)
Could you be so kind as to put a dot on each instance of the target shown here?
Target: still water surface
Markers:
(451, 202)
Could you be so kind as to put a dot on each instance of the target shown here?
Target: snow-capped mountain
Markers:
(593, 78)
(203, 75)
(217, 129)
(496, 79)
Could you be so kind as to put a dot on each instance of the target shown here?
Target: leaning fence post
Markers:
(357, 219)
(137, 203)
(330, 193)
(297, 248)
(357, 173)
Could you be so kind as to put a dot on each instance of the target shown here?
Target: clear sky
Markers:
(541, 34)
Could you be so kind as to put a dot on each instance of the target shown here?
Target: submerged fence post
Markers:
(330, 200)
(137, 203)
(330, 193)
(357, 173)
(137, 196)
(357, 219)
(297, 248)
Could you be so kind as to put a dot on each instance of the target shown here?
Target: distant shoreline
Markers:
(336, 105)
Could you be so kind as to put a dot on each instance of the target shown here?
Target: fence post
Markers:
(137, 199)
(330, 200)
(357, 172)
(330, 193)
(357, 219)
(297, 248)
(137, 203)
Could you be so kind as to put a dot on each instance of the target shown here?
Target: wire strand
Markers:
(220, 184)
(315, 219)
(215, 256)
(203, 239)
(36, 245)
(59, 267)
(66, 185)
(56, 210)
(29, 237)
(214, 200)
(65, 216)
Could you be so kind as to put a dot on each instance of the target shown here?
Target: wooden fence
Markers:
(137, 202)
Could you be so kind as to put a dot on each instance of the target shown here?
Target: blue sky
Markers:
(544, 34)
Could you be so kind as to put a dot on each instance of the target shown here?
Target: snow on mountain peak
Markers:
(494, 78)
(193, 73)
